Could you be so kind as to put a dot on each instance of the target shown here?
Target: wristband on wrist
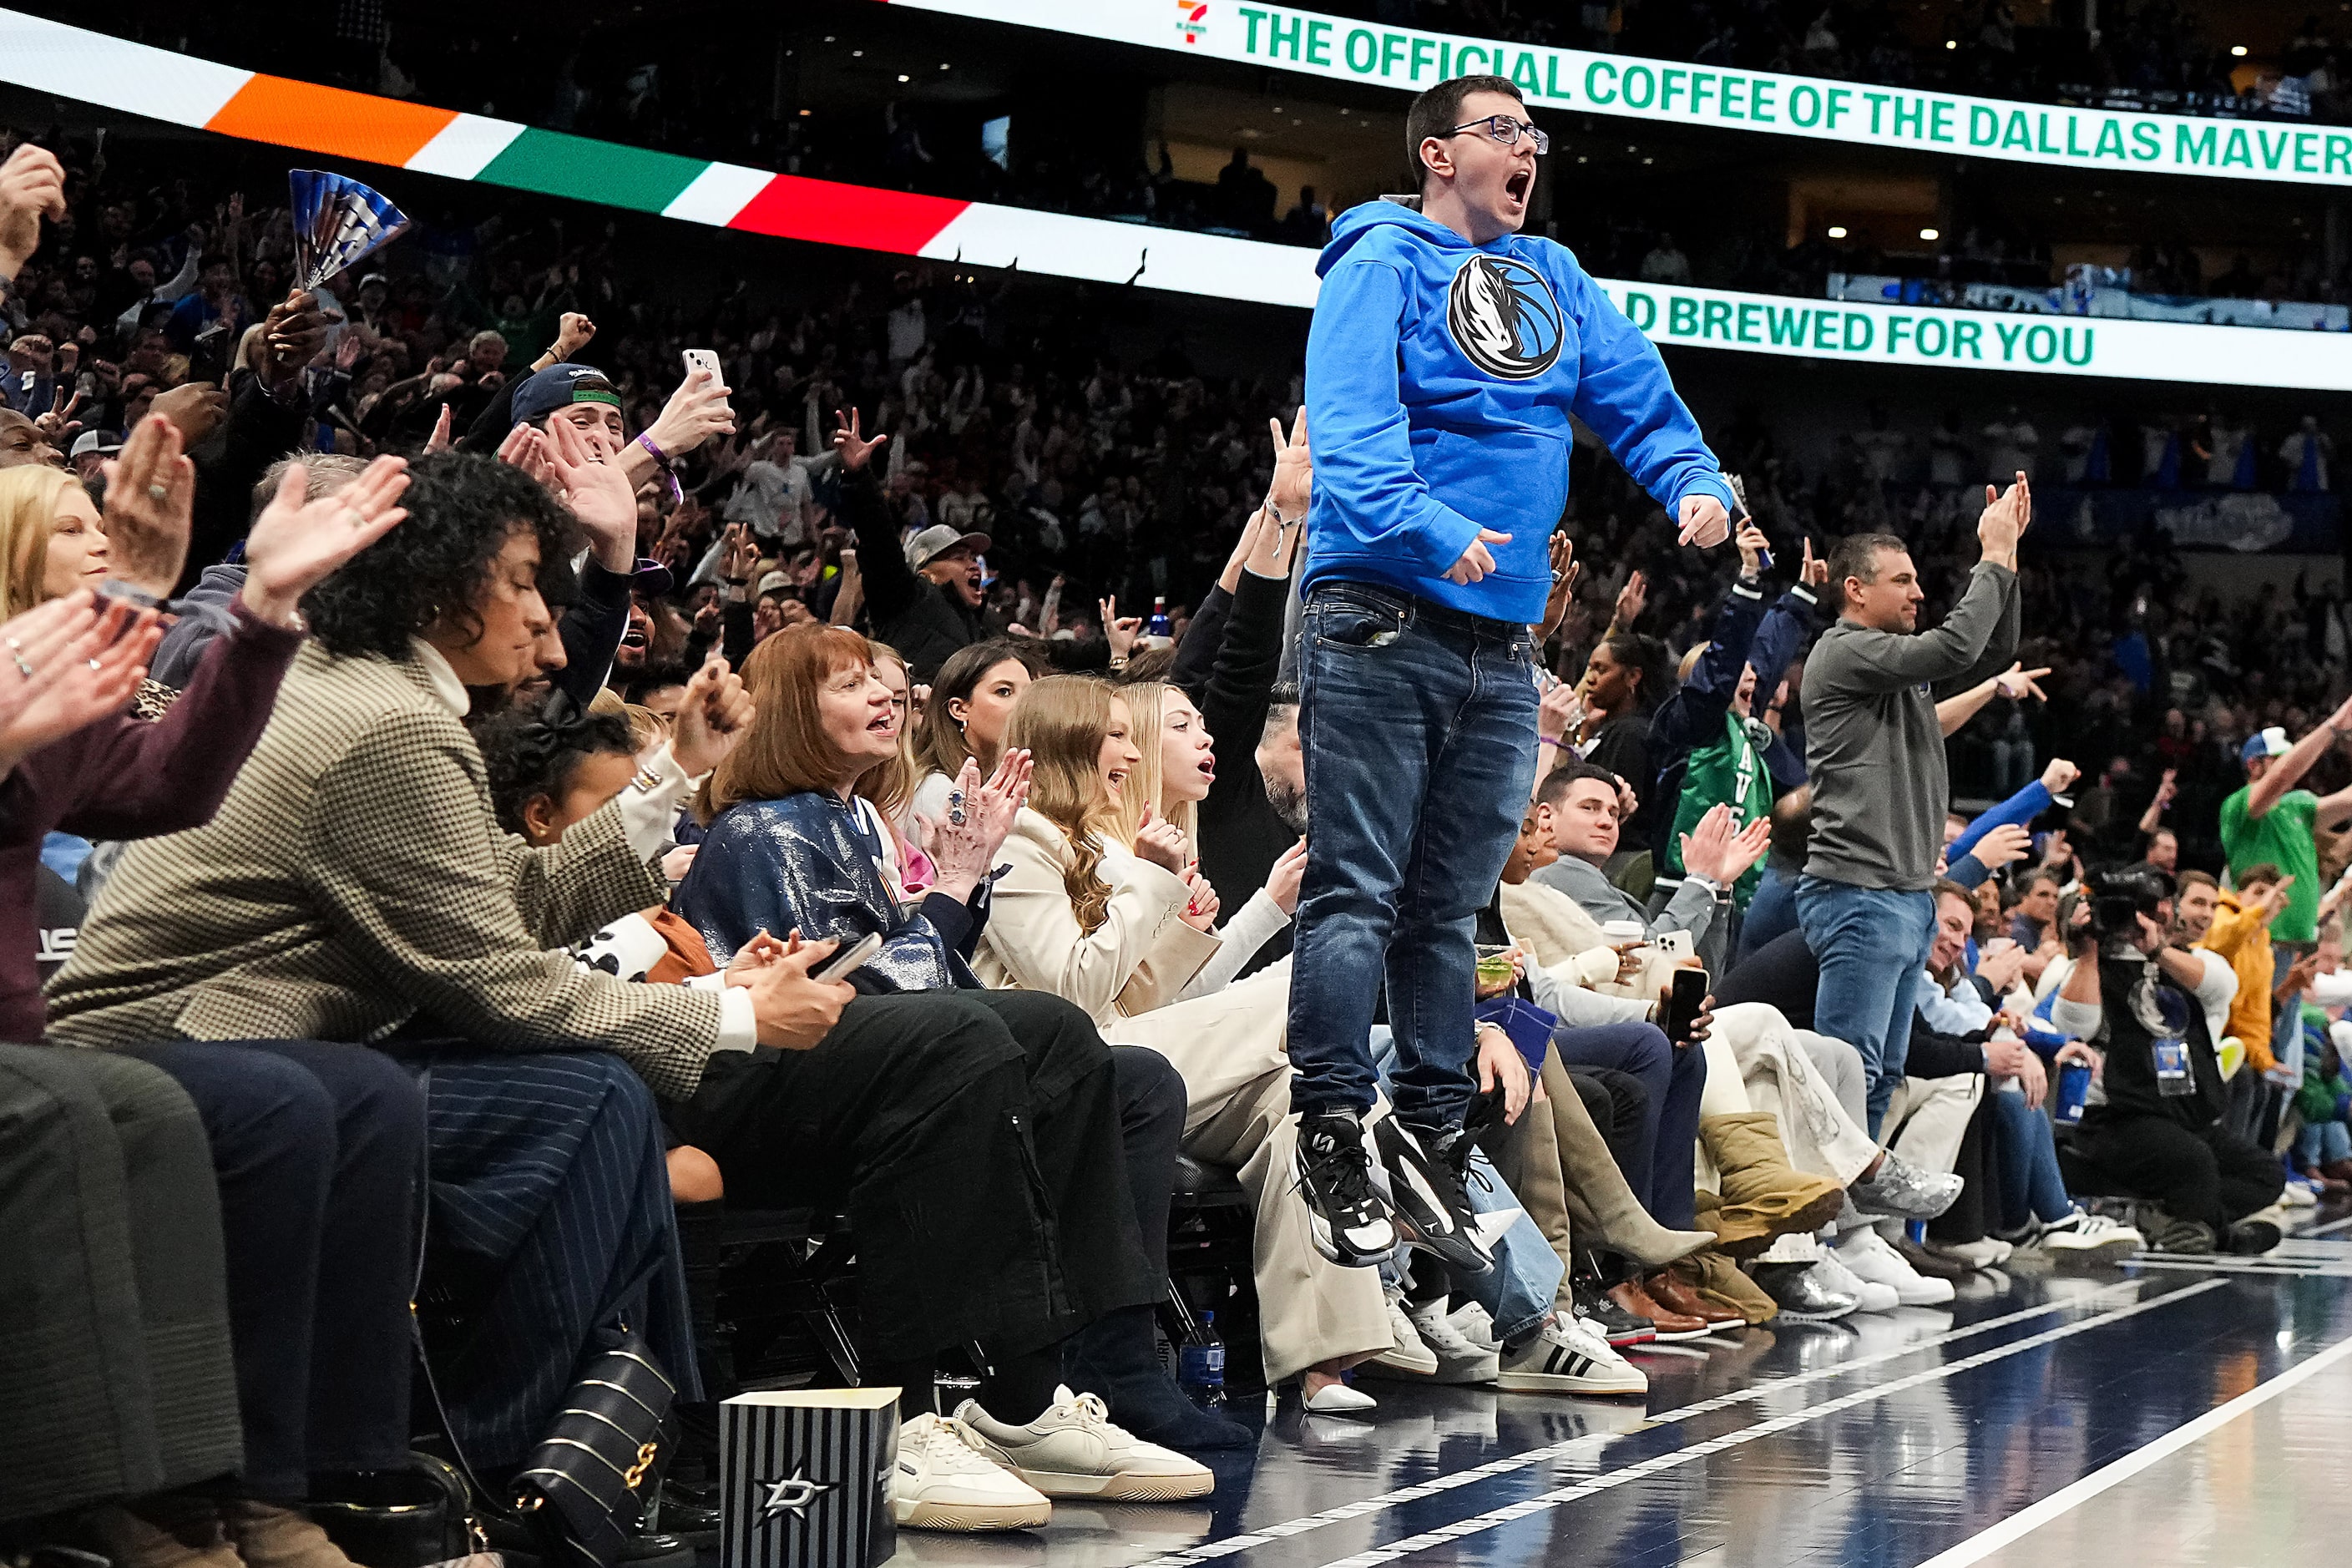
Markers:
(667, 465)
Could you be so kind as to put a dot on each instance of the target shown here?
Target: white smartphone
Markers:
(705, 360)
(849, 958)
(1674, 944)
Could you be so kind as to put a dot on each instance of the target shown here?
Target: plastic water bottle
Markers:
(1157, 633)
(1200, 1364)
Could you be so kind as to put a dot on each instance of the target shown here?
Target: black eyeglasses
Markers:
(1508, 131)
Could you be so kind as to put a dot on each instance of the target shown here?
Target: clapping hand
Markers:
(151, 495)
(1722, 851)
(2002, 846)
(296, 544)
(2006, 515)
(963, 843)
(1200, 910)
(599, 493)
(68, 663)
(1564, 573)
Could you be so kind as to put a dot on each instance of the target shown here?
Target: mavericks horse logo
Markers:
(1503, 316)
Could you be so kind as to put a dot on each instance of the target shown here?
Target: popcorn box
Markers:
(806, 1473)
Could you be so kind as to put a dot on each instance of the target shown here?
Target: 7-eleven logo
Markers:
(1192, 19)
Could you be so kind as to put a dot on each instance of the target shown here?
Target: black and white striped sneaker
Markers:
(1350, 1223)
(1425, 1170)
(1569, 1356)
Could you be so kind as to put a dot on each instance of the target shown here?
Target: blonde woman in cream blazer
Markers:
(1105, 926)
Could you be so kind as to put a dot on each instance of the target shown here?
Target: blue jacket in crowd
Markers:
(1439, 379)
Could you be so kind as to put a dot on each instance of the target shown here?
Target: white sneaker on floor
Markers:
(1472, 1324)
(1989, 1253)
(1868, 1258)
(1836, 1275)
(1409, 1355)
(942, 1482)
(1074, 1450)
(2081, 1232)
(1569, 1356)
(1460, 1359)
(2297, 1196)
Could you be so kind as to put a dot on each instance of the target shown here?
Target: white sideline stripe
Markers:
(1977, 1548)
(2288, 1267)
(1612, 1479)
(2333, 1225)
(1209, 1551)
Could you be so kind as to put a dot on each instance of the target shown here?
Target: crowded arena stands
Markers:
(616, 812)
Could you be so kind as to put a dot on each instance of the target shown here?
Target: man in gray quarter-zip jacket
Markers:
(1874, 748)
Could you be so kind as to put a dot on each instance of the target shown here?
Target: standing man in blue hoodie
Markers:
(1445, 358)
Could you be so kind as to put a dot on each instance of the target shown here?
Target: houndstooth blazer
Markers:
(356, 878)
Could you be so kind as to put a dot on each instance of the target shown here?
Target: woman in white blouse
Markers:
(1117, 919)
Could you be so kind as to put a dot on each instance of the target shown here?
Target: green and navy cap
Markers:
(560, 386)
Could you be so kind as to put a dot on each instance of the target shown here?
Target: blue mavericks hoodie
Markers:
(1439, 379)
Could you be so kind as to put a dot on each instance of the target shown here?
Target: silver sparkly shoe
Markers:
(1905, 1191)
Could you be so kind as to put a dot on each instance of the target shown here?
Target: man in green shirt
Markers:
(2270, 819)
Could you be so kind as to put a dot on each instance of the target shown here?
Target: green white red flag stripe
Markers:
(157, 84)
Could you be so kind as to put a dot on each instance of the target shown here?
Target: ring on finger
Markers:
(159, 492)
(24, 667)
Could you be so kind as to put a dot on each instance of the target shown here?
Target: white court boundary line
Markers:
(2065, 1498)
(1338, 1514)
(1495, 1518)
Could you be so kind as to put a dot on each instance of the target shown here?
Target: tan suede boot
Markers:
(1763, 1195)
(169, 1530)
(268, 1536)
(1601, 1206)
(1712, 1276)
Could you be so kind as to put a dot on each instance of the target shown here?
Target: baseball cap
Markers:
(2269, 742)
(937, 539)
(651, 578)
(560, 386)
(102, 442)
(774, 582)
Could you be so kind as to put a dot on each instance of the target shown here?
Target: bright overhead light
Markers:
(2238, 50)
(1931, 234)
(1951, 43)
(1837, 231)
(1648, 160)
(804, 113)
(904, 77)
(943, 64)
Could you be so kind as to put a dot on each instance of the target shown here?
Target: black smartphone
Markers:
(1684, 999)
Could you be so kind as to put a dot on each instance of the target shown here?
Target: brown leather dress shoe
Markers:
(1671, 1325)
(1669, 1291)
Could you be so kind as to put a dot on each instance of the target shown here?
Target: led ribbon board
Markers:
(157, 84)
(1627, 86)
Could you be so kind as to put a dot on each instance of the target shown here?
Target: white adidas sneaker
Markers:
(942, 1482)
(1867, 1258)
(1073, 1450)
(2082, 1232)
(1570, 1356)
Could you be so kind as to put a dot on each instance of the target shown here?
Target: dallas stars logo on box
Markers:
(805, 1473)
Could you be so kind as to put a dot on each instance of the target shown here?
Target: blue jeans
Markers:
(1419, 728)
(1872, 944)
(1661, 1170)
(1772, 912)
(2322, 1144)
(2031, 1186)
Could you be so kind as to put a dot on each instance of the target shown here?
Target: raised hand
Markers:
(713, 717)
(599, 494)
(1703, 521)
(847, 440)
(150, 496)
(963, 843)
(694, 413)
(32, 187)
(296, 544)
(2002, 846)
(1565, 570)
(2058, 775)
(527, 450)
(1119, 631)
(441, 440)
(2016, 682)
(1811, 570)
(65, 664)
(1282, 882)
(2004, 519)
(1293, 487)
(1161, 843)
(1752, 544)
(572, 335)
(197, 407)
(1631, 599)
(1477, 561)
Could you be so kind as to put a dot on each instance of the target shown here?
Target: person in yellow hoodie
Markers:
(2240, 933)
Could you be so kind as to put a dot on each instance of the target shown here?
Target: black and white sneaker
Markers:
(1351, 1224)
(1426, 1181)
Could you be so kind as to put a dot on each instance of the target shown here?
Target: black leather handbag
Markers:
(585, 1487)
(420, 1517)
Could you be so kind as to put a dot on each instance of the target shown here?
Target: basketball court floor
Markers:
(2174, 1411)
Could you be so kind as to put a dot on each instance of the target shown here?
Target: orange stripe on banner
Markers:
(329, 120)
